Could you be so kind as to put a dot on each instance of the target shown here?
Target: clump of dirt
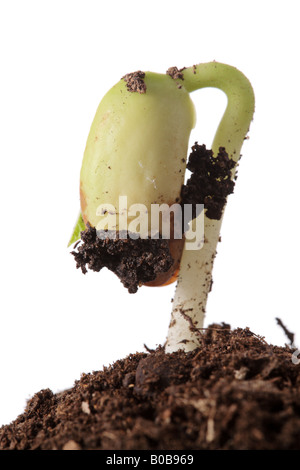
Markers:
(135, 82)
(134, 260)
(175, 73)
(210, 182)
(234, 392)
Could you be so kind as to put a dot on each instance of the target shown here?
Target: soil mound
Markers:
(234, 392)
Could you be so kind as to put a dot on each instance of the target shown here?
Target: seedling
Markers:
(135, 162)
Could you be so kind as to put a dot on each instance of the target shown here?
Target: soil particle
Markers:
(235, 392)
(135, 82)
(134, 261)
(175, 73)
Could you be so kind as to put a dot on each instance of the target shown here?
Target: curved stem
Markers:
(236, 120)
(195, 276)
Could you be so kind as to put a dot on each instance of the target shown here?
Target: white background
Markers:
(58, 58)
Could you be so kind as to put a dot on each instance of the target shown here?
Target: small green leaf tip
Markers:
(79, 227)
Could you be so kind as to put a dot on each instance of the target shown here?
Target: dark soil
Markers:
(134, 261)
(210, 182)
(234, 392)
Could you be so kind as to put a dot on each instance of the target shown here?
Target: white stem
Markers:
(195, 275)
(193, 285)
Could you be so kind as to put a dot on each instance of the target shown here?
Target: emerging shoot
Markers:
(132, 187)
(195, 276)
